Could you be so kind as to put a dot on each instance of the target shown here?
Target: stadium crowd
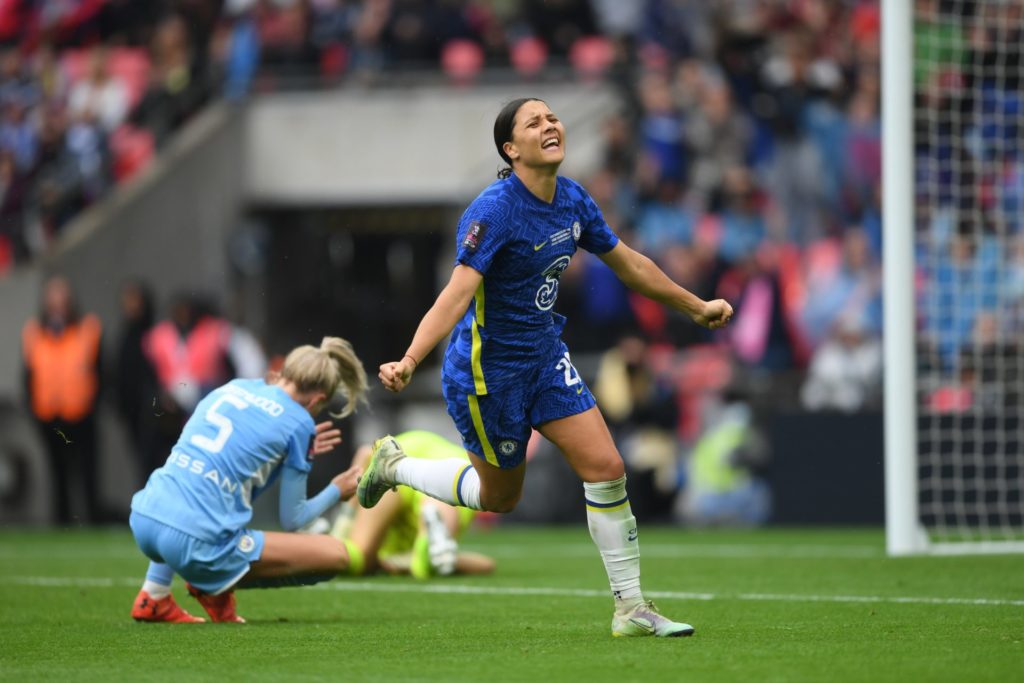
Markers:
(747, 159)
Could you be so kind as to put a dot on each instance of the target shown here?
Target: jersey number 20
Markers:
(572, 375)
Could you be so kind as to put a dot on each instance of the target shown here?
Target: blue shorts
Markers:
(497, 425)
(210, 567)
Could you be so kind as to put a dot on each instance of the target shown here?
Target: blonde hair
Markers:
(333, 369)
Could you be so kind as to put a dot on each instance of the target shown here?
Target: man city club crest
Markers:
(576, 231)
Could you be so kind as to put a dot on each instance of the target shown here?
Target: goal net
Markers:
(966, 181)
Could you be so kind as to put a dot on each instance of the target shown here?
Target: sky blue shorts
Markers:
(210, 567)
(496, 426)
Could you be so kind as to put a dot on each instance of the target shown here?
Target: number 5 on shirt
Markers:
(222, 422)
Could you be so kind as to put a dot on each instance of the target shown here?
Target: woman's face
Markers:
(538, 137)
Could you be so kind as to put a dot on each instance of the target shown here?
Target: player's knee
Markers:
(605, 469)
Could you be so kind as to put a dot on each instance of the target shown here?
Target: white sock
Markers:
(613, 528)
(156, 591)
(452, 481)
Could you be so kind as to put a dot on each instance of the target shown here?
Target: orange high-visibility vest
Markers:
(63, 381)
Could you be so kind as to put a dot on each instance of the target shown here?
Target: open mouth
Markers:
(550, 143)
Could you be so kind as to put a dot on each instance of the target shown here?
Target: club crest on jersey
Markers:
(576, 231)
(508, 447)
(474, 235)
(246, 543)
(548, 291)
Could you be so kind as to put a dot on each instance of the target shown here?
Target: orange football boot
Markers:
(166, 610)
(221, 608)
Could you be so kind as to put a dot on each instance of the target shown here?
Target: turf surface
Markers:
(768, 606)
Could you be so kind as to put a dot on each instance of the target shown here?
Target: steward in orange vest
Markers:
(62, 380)
(62, 364)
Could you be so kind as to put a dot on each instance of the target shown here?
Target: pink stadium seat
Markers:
(528, 56)
(591, 56)
(462, 60)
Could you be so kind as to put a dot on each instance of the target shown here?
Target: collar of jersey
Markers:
(524, 191)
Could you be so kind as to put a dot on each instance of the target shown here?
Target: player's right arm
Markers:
(448, 309)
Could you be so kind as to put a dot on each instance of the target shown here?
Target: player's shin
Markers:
(453, 481)
(613, 528)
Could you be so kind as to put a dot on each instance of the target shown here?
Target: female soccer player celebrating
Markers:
(507, 370)
(191, 517)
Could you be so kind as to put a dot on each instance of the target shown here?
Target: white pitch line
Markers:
(463, 589)
(712, 550)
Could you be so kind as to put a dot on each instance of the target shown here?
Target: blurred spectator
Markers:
(846, 371)
(741, 209)
(663, 220)
(642, 413)
(18, 134)
(99, 96)
(62, 383)
(560, 23)
(14, 188)
(763, 335)
(135, 379)
(847, 284)
(195, 351)
(175, 91)
(961, 280)
(718, 138)
(723, 488)
(661, 128)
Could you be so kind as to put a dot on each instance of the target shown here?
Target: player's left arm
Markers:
(641, 274)
(294, 509)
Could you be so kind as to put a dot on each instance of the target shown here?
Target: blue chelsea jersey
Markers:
(521, 245)
(230, 451)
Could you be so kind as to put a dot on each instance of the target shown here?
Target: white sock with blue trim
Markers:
(452, 481)
(613, 528)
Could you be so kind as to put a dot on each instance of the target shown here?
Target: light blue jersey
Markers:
(231, 450)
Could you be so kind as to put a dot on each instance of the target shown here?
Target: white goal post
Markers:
(953, 252)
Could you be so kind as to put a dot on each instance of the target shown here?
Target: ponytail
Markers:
(333, 368)
(351, 373)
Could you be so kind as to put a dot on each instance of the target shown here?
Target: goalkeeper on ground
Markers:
(408, 532)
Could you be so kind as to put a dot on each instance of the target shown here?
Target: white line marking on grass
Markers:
(715, 550)
(463, 589)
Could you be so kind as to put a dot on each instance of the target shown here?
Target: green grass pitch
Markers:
(768, 606)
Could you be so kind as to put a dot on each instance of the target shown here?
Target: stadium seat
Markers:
(528, 56)
(591, 56)
(462, 60)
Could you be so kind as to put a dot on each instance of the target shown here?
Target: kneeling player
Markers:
(192, 516)
(408, 532)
